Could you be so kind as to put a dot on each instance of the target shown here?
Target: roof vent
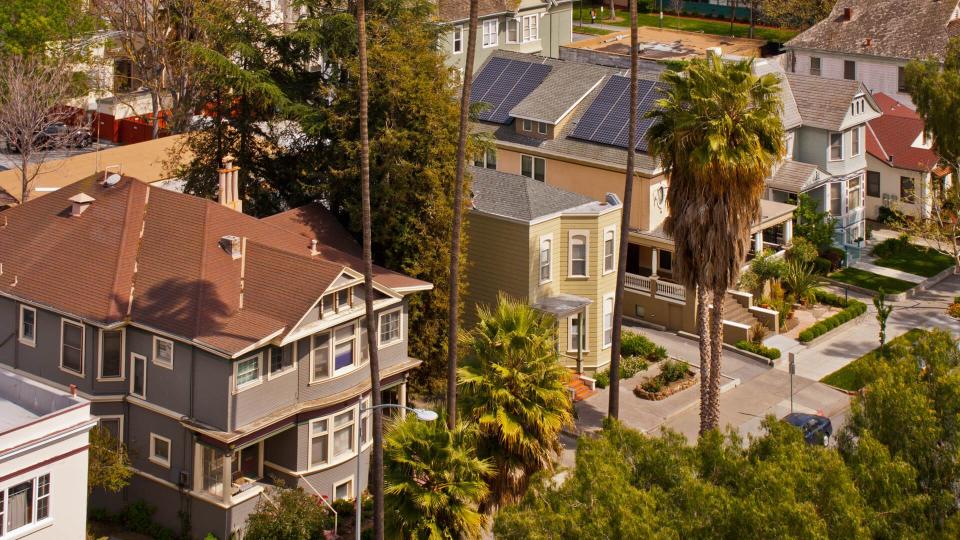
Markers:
(313, 247)
(847, 13)
(231, 244)
(867, 42)
(81, 201)
(111, 180)
(612, 199)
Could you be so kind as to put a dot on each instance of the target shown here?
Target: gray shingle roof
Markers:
(823, 103)
(563, 88)
(792, 176)
(790, 115)
(904, 29)
(518, 197)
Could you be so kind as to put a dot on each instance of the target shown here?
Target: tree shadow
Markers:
(186, 307)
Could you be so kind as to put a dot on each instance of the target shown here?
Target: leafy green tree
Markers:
(291, 514)
(109, 462)
(513, 387)
(883, 313)
(434, 481)
(28, 27)
(812, 224)
(799, 14)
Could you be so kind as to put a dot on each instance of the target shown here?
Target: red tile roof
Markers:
(892, 136)
(152, 257)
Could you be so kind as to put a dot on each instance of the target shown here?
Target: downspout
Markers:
(580, 341)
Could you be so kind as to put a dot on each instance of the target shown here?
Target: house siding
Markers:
(497, 262)
(877, 74)
(890, 187)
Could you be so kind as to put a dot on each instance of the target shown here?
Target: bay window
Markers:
(71, 346)
(491, 33)
(836, 146)
(319, 442)
(609, 242)
(546, 251)
(343, 437)
(578, 255)
(607, 321)
(111, 354)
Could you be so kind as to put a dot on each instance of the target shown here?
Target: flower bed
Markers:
(674, 377)
(758, 348)
(851, 310)
(636, 351)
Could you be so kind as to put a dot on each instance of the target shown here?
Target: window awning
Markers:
(562, 305)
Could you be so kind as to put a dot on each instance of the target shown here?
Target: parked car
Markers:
(816, 429)
(56, 135)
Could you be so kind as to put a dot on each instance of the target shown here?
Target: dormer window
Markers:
(541, 128)
(527, 125)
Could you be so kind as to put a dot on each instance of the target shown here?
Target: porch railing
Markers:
(671, 290)
(637, 283)
(660, 287)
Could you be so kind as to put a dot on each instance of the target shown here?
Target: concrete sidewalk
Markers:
(889, 272)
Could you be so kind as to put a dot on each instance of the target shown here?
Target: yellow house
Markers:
(555, 248)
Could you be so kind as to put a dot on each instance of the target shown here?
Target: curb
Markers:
(899, 297)
(823, 337)
(753, 356)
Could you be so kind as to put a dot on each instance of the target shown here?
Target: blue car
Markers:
(816, 429)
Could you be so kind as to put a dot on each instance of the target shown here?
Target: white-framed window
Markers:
(854, 194)
(160, 450)
(335, 352)
(71, 346)
(527, 125)
(28, 325)
(458, 39)
(487, 159)
(112, 424)
(390, 327)
(533, 167)
(319, 442)
(344, 348)
(344, 440)
(546, 258)
(542, 128)
(320, 357)
(247, 373)
(513, 31)
(281, 361)
(609, 249)
(24, 504)
(163, 352)
(343, 489)
(366, 421)
(491, 33)
(531, 28)
(111, 354)
(138, 375)
(607, 321)
(573, 332)
(578, 254)
(333, 438)
(856, 147)
(836, 146)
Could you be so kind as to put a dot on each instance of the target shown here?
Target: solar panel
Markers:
(606, 120)
(502, 84)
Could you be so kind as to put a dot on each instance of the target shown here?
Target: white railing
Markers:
(637, 283)
(671, 290)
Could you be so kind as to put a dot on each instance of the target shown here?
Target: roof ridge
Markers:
(198, 291)
(885, 156)
(116, 267)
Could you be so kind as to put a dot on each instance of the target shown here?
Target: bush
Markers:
(602, 378)
(830, 299)
(758, 332)
(954, 310)
(766, 266)
(757, 348)
(802, 251)
(853, 309)
(138, 517)
(638, 345)
(891, 247)
(889, 216)
(822, 266)
(835, 255)
(629, 367)
(673, 370)
(750, 282)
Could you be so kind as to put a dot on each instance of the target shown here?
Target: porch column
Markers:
(227, 477)
(788, 232)
(653, 262)
(758, 243)
(403, 398)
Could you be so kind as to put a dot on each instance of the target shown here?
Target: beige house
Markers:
(555, 248)
(569, 131)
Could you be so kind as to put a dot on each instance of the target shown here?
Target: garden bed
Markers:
(899, 254)
(871, 281)
(675, 376)
(637, 352)
(851, 310)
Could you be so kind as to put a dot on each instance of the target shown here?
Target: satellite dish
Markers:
(112, 180)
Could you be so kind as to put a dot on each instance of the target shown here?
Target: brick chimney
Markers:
(229, 184)
(847, 13)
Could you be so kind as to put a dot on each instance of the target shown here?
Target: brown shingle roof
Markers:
(458, 10)
(905, 29)
(161, 248)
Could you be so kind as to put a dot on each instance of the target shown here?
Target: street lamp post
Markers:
(425, 415)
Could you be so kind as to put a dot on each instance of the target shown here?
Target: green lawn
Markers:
(852, 376)
(869, 280)
(690, 24)
(917, 260)
(591, 30)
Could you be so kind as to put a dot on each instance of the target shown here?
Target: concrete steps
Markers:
(579, 389)
(733, 311)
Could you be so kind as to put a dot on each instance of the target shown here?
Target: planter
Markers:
(687, 381)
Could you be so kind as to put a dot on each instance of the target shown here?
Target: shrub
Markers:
(749, 281)
(891, 246)
(757, 348)
(822, 266)
(138, 517)
(830, 299)
(802, 251)
(889, 216)
(853, 309)
(758, 332)
(602, 378)
(673, 370)
(639, 345)
(835, 255)
(766, 266)
(629, 367)
(954, 310)
(801, 281)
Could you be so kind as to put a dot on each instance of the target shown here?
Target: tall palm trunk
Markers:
(376, 459)
(455, 235)
(716, 352)
(703, 317)
(614, 405)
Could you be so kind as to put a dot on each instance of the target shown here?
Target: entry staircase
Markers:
(735, 312)
(578, 388)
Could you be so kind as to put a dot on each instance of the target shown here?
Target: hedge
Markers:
(830, 299)
(853, 309)
(758, 348)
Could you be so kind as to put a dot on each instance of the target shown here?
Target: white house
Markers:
(44, 433)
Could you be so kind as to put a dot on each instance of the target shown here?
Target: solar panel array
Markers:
(502, 84)
(606, 121)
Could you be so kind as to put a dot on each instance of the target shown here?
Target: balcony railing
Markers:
(671, 290)
(638, 283)
(663, 289)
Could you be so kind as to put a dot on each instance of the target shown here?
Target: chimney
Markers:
(231, 244)
(847, 13)
(229, 179)
(313, 247)
(81, 201)
(73, 390)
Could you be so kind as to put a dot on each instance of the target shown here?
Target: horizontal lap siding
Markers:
(498, 261)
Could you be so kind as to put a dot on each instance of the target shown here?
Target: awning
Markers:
(561, 305)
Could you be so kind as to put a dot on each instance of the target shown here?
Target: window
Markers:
(835, 198)
(319, 442)
(281, 360)
(513, 31)
(546, 256)
(836, 146)
(854, 194)
(366, 419)
(457, 39)
(28, 325)
(849, 70)
(901, 80)
(24, 504)
(114, 426)
(815, 65)
(578, 255)
(343, 299)
(542, 128)
(343, 357)
(531, 28)
(71, 346)
(343, 438)
(873, 184)
(211, 470)
(343, 490)
(607, 321)
(491, 33)
(138, 376)
(390, 329)
(246, 372)
(160, 450)
(907, 189)
(574, 333)
(855, 144)
(320, 357)
(532, 167)
(163, 352)
(665, 260)
(111, 354)
(609, 240)
(527, 125)
(487, 159)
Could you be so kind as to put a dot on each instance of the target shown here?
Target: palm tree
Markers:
(434, 481)
(717, 131)
(454, 315)
(376, 458)
(613, 409)
(513, 388)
